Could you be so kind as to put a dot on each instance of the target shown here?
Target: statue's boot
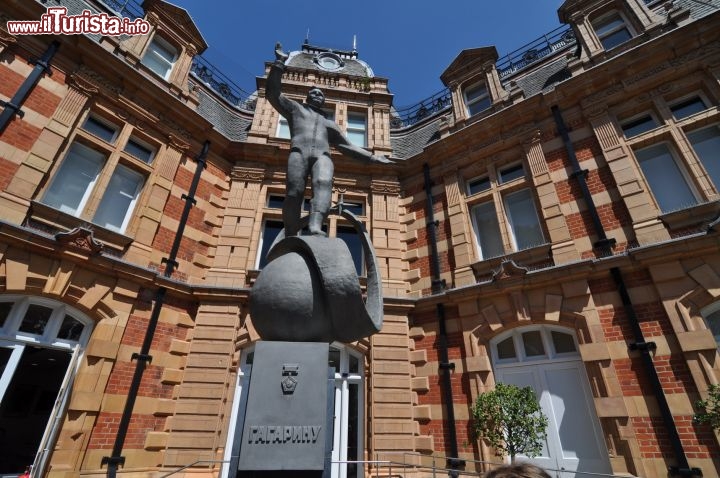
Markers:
(315, 224)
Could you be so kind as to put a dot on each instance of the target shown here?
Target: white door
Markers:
(546, 359)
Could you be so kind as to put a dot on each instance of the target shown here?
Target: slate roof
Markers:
(352, 66)
(543, 78)
(413, 140)
(232, 124)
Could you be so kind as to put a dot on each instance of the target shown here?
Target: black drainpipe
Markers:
(144, 356)
(12, 107)
(446, 367)
(604, 247)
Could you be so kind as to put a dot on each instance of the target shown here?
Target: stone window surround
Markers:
(115, 155)
(497, 193)
(673, 132)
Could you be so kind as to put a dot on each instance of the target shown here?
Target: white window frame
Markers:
(131, 205)
(282, 128)
(623, 123)
(548, 345)
(164, 44)
(88, 189)
(479, 99)
(152, 150)
(605, 18)
(476, 230)
(682, 168)
(355, 129)
(103, 121)
(510, 222)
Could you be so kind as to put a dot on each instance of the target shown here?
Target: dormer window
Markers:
(160, 57)
(611, 30)
(477, 98)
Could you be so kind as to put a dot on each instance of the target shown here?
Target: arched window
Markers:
(40, 342)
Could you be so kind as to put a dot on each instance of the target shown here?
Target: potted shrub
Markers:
(511, 421)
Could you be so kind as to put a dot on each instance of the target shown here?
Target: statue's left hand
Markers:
(279, 53)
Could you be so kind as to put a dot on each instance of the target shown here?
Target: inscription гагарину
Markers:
(283, 434)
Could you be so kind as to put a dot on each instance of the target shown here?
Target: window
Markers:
(477, 99)
(349, 235)
(119, 199)
(673, 173)
(357, 129)
(502, 194)
(270, 231)
(510, 173)
(101, 128)
(74, 181)
(636, 126)
(665, 178)
(611, 30)
(524, 223)
(96, 181)
(160, 57)
(687, 107)
(283, 128)
(534, 343)
(478, 185)
(713, 322)
(487, 230)
(706, 144)
(140, 149)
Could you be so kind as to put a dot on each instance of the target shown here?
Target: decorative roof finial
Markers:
(354, 42)
(307, 36)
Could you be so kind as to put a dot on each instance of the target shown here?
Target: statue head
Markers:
(315, 97)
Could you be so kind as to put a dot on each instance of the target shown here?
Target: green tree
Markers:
(511, 420)
(709, 409)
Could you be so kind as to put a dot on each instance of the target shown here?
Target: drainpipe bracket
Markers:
(642, 346)
(579, 172)
(16, 109)
(165, 260)
(685, 472)
(447, 365)
(185, 197)
(456, 463)
(113, 460)
(144, 357)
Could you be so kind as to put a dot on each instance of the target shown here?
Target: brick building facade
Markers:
(550, 221)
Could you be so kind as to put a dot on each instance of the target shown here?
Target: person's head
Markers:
(518, 470)
(316, 98)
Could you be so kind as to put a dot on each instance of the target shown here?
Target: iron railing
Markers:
(392, 469)
(125, 8)
(557, 40)
(410, 115)
(205, 72)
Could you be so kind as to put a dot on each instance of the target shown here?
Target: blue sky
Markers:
(409, 42)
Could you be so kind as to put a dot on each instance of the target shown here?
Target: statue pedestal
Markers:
(284, 425)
